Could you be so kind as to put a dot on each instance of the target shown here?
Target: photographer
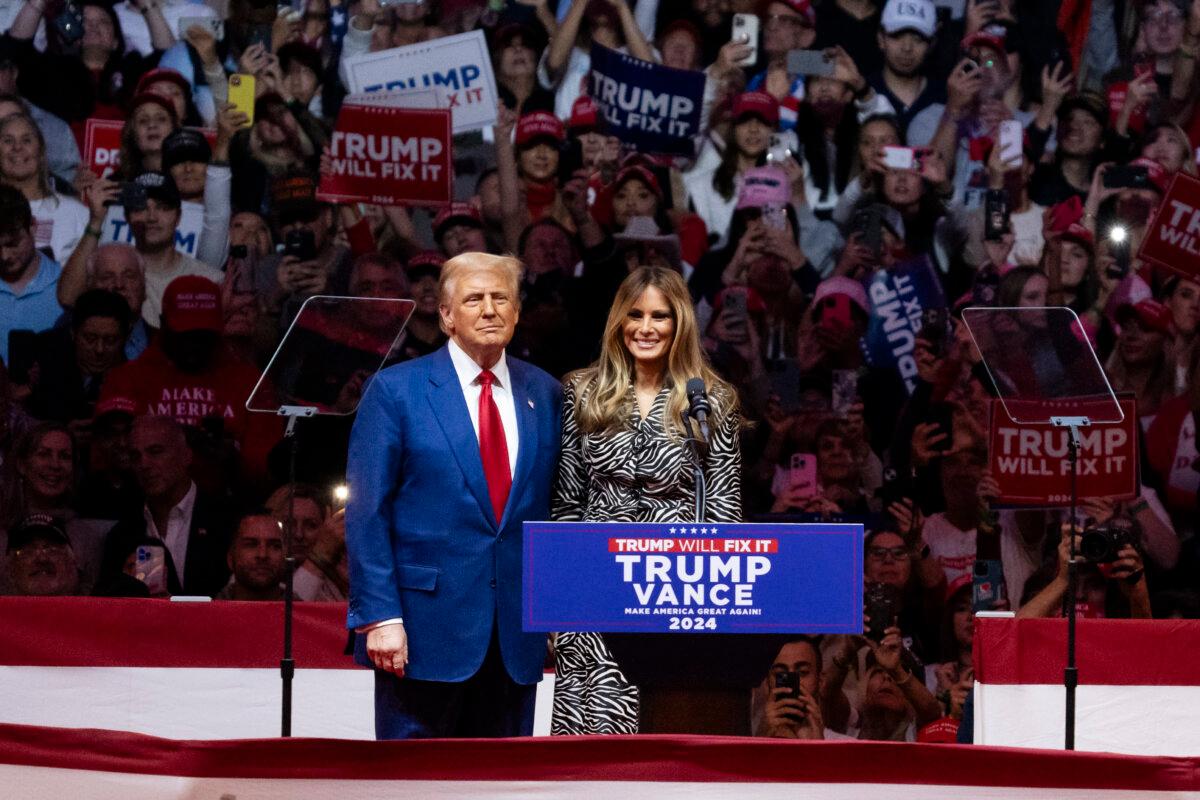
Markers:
(1122, 567)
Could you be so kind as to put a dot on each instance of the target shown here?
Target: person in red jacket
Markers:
(188, 373)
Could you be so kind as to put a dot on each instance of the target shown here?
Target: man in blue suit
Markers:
(450, 454)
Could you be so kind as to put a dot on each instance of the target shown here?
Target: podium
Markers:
(693, 614)
(695, 683)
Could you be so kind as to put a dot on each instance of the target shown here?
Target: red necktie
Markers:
(493, 447)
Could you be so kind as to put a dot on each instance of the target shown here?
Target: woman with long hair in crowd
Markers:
(152, 117)
(714, 194)
(624, 459)
(60, 220)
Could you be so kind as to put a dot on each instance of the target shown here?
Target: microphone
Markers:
(698, 406)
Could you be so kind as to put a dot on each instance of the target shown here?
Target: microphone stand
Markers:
(287, 664)
(1071, 671)
(694, 455)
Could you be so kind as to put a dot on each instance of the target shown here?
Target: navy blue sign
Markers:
(660, 577)
(653, 108)
(899, 296)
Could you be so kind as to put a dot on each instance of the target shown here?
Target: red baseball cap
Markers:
(802, 7)
(142, 98)
(940, 731)
(1155, 171)
(758, 104)
(1078, 233)
(539, 125)
(456, 212)
(585, 115)
(163, 74)
(192, 303)
(985, 39)
(426, 262)
(637, 172)
(1151, 313)
(115, 404)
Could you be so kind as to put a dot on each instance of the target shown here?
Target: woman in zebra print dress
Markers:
(623, 459)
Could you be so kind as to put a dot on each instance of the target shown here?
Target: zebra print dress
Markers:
(636, 474)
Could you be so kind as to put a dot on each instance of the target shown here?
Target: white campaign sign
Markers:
(459, 65)
(187, 235)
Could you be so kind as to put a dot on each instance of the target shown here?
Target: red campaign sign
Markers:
(1173, 238)
(102, 145)
(389, 156)
(1032, 466)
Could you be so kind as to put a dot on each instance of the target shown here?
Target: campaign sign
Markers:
(674, 577)
(653, 108)
(898, 297)
(187, 234)
(1032, 466)
(389, 156)
(1173, 238)
(102, 145)
(461, 65)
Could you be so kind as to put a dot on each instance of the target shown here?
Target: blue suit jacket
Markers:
(421, 535)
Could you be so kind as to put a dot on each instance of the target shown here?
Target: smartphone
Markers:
(775, 217)
(216, 26)
(1121, 259)
(1125, 176)
(988, 589)
(150, 567)
(935, 329)
(1143, 66)
(985, 286)
(895, 487)
(69, 24)
(133, 196)
(745, 29)
(570, 160)
(301, 244)
(809, 62)
(782, 146)
(995, 215)
(259, 34)
(869, 222)
(802, 474)
(899, 157)
(881, 604)
(1011, 143)
(788, 679)
(20, 355)
(844, 391)
(836, 313)
(942, 415)
(734, 303)
(241, 95)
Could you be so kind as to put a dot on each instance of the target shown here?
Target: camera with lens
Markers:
(1100, 544)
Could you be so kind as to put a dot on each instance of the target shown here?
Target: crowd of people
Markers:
(132, 467)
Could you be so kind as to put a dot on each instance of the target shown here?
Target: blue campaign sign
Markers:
(899, 297)
(655, 109)
(662, 577)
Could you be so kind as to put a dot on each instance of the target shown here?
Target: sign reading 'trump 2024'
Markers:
(714, 578)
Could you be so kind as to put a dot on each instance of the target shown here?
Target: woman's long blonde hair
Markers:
(603, 388)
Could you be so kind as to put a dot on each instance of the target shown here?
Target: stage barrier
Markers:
(184, 670)
(1139, 685)
(51, 764)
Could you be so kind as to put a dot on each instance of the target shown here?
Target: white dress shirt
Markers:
(179, 527)
(468, 378)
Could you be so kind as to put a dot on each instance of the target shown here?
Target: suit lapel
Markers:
(449, 408)
(527, 434)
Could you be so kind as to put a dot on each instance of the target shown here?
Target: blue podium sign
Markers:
(663, 577)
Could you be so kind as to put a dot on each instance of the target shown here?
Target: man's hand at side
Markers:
(387, 647)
